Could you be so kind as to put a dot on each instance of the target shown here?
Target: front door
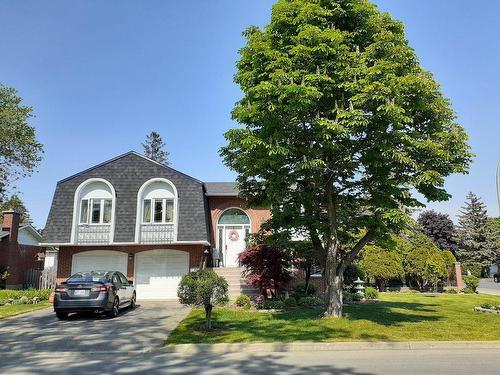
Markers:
(234, 238)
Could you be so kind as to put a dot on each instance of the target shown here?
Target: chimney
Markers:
(11, 224)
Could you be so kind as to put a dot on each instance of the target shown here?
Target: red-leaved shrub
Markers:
(267, 268)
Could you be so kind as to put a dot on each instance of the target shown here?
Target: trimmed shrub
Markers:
(471, 282)
(290, 302)
(243, 301)
(270, 304)
(371, 293)
(311, 301)
(203, 288)
(347, 297)
(451, 291)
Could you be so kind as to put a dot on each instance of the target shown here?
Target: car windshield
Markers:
(89, 277)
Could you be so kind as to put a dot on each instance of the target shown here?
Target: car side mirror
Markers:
(130, 282)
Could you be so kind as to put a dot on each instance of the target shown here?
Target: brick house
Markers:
(19, 250)
(147, 220)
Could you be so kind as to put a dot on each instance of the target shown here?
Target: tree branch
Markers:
(351, 255)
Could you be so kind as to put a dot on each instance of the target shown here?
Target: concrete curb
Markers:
(331, 346)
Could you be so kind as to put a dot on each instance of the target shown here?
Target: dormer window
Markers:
(96, 211)
(158, 211)
(93, 215)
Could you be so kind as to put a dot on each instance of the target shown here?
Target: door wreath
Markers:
(234, 235)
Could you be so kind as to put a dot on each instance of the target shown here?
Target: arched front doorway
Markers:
(233, 227)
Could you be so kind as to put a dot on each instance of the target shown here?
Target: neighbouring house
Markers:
(20, 252)
(147, 220)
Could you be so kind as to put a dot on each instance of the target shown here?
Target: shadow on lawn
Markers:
(306, 324)
(392, 313)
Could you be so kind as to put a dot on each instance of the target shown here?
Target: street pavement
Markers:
(362, 362)
(488, 286)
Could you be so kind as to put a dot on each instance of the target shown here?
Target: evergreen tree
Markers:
(16, 204)
(474, 243)
(440, 228)
(153, 148)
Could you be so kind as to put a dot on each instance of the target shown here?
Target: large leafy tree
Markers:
(154, 148)
(20, 152)
(440, 228)
(475, 245)
(340, 124)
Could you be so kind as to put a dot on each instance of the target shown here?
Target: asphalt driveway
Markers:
(141, 329)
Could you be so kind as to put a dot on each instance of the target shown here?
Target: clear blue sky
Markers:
(101, 75)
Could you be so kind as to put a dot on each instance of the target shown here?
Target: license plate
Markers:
(81, 292)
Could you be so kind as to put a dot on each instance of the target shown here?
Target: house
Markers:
(147, 220)
(19, 250)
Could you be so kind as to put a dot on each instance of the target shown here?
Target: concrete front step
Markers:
(236, 282)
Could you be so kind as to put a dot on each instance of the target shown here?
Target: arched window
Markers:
(157, 211)
(234, 216)
(96, 203)
(93, 215)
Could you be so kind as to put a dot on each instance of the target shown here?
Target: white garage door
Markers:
(158, 272)
(100, 260)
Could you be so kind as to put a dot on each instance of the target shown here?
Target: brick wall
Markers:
(66, 254)
(257, 215)
(18, 258)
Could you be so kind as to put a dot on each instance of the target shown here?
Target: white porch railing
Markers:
(156, 233)
(93, 234)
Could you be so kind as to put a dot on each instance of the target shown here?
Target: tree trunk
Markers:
(335, 287)
(307, 278)
(208, 316)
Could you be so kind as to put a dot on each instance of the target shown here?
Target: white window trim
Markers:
(139, 212)
(164, 211)
(89, 211)
(76, 211)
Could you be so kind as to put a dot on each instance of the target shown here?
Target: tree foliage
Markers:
(440, 228)
(267, 268)
(475, 245)
(340, 125)
(426, 265)
(15, 203)
(20, 152)
(203, 288)
(154, 148)
(381, 265)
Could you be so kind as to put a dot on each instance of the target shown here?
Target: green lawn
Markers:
(397, 317)
(12, 310)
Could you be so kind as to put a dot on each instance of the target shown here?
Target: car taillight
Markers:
(101, 288)
(61, 290)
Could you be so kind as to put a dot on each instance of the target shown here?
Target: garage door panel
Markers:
(99, 260)
(158, 273)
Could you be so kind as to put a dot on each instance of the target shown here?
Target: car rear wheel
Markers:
(61, 315)
(113, 313)
(132, 301)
